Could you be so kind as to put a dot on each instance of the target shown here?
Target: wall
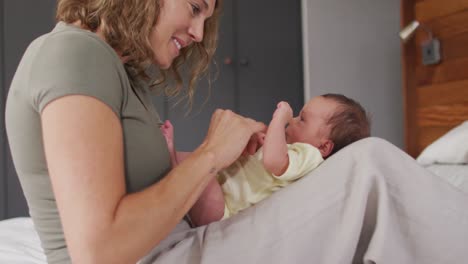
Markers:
(352, 47)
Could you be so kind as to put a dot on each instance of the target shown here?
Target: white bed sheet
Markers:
(455, 174)
(19, 242)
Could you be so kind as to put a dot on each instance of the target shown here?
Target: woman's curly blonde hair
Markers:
(127, 26)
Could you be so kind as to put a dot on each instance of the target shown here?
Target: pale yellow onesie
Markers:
(246, 182)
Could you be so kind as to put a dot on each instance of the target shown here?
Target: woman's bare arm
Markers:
(83, 143)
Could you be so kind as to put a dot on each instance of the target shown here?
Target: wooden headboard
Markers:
(435, 98)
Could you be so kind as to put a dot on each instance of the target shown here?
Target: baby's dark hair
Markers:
(349, 123)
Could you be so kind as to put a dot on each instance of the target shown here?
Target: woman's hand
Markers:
(228, 136)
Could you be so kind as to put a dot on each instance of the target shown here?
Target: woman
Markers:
(85, 138)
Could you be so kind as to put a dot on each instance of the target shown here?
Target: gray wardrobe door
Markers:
(191, 129)
(23, 21)
(3, 141)
(260, 63)
(270, 56)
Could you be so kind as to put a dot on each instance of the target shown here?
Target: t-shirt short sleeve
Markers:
(74, 63)
(302, 159)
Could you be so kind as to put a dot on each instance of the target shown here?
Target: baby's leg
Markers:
(209, 206)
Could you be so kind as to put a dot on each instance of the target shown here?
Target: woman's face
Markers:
(180, 23)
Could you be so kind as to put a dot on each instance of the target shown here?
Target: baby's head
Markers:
(329, 122)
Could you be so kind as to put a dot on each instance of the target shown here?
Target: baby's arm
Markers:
(275, 150)
(210, 205)
(168, 131)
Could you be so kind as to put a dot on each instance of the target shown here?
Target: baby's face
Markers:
(310, 126)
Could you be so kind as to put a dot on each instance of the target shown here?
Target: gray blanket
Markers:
(369, 203)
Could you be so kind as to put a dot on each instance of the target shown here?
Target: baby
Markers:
(292, 147)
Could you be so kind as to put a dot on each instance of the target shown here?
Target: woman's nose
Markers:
(196, 30)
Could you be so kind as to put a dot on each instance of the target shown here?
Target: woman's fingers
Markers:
(256, 126)
(261, 138)
(229, 134)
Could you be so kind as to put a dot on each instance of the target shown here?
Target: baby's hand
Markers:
(256, 141)
(168, 132)
(283, 111)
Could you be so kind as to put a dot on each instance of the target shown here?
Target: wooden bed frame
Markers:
(435, 98)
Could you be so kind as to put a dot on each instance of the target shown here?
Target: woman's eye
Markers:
(195, 9)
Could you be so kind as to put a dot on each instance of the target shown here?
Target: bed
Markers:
(353, 175)
(19, 242)
(455, 174)
(447, 157)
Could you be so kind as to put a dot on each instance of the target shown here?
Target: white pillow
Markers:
(450, 148)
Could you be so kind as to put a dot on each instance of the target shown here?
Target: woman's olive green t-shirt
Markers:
(72, 61)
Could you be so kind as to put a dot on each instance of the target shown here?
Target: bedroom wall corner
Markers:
(352, 47)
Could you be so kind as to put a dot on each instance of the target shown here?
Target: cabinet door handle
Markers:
(244, 62)
(227, 61)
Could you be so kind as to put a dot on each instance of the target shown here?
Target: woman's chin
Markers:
(163, 64)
